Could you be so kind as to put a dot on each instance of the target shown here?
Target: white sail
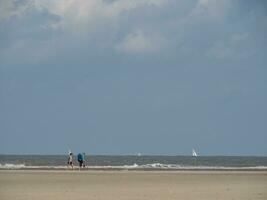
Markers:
(194, 153)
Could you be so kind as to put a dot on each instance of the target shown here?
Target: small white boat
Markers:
(194, 153)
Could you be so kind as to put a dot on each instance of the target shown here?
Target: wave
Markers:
(23, 166)
(12, 166)
(159, 166)
(152, 166)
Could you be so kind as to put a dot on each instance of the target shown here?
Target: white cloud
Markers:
(9, 8)
(211, 8)
(123, 5)
(82, 17)
(77, 13)
(78, 20)
(139, 43)
(6, 8)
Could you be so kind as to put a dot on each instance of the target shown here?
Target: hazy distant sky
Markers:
(129, 76)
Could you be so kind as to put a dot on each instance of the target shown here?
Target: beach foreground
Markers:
(132, 185)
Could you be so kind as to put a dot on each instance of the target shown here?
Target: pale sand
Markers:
(134, 185)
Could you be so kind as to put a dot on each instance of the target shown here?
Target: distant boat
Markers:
(139, 154)
(194, 153)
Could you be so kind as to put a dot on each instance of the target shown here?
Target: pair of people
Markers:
(80, 158)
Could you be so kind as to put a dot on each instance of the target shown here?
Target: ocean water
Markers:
(136, 162)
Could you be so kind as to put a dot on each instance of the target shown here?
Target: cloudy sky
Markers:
(128, 76)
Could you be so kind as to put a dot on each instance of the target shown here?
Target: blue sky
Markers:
(129, 76)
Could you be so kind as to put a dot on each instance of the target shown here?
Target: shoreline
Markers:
(141, 170)
(131, 171)
(123, 168)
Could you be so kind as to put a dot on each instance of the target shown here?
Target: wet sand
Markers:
(132, 185)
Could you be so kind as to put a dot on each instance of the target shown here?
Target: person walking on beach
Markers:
(70, 160)
(80, 158)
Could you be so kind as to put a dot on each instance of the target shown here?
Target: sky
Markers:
(133, 76)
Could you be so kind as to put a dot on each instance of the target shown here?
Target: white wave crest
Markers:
(152, 166)
(160, 166)
(12, 166)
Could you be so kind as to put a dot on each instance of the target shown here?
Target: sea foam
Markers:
(12, 166)
(152, 166)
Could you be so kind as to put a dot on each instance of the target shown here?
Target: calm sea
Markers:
(136, 162)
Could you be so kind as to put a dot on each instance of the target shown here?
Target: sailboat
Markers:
(194, 153)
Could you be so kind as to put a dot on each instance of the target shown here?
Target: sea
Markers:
(135, 162)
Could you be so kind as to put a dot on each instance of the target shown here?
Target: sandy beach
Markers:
(79, 185)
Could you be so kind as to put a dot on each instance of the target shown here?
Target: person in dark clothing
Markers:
(80, 159)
